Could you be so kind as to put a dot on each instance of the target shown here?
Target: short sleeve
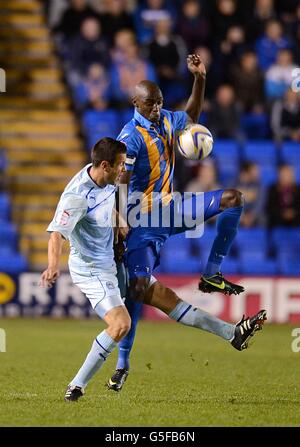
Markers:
(132, 142)
(180, 120)
(70, 210)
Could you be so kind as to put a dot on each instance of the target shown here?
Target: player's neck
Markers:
(97, 176)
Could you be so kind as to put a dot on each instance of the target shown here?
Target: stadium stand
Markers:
(227, 155)
(39, 132)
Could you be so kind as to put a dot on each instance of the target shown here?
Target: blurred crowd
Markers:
(251, 49)
(273, 205)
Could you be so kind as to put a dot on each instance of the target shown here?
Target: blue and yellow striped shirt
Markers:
(150, 154)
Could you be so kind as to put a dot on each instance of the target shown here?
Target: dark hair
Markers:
(107, 149)
(246, 166)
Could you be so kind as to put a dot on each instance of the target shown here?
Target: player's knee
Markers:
(232, 198)
(124, 328)
(138, 289)
(120, 327)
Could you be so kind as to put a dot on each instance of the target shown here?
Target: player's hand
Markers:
(122, 232)
(195, 65)
(119, 250)
(48, 277)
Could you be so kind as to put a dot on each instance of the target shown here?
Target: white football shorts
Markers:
(102, 291)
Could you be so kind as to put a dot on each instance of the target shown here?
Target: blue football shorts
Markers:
(144, 243)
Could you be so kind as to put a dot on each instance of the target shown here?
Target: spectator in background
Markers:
(148, 14)
(93, 90)
(279, 77)
(192, 25)
(285, 118)
(231, 48)
(224, 17)
(262, 12)
(167, 53)
(254, 193)
(270, 43)
(295, 27)
(128, 70)
(282, 204)
(213, 75)
(73, 17)
(206, 178)
(115, 18)
(89, 47)
(248, 81)
(223, 118)
(122, 39)
(287, 10)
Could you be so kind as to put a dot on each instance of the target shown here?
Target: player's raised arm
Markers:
(50, 275)
(195, 101)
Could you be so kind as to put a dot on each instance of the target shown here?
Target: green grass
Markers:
(179, 377)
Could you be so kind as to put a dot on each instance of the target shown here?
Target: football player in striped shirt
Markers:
(150, 157)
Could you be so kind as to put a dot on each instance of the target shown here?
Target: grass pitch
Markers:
(179, 377)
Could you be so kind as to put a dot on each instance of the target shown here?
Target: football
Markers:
(195, 142)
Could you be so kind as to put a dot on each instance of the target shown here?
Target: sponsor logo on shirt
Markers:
(63, 218)
(92, 198)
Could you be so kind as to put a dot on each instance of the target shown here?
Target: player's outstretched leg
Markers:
(182, 312)
(227, 224)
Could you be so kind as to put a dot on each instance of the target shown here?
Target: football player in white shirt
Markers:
(84, 217)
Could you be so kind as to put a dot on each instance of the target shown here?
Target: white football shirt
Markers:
(84, 217)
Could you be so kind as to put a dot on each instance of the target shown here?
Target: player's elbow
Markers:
(56, 236)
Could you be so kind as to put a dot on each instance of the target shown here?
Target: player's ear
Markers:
(105, 165)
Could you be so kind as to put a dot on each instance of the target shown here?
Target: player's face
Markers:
(150, 105)
(117, 169)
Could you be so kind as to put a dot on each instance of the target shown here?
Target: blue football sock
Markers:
(122, 278)
(227, 225)
(193, 316)
(134, 308)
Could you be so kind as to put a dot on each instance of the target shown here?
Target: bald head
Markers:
(146, 88)
(148, 100)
